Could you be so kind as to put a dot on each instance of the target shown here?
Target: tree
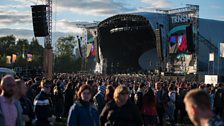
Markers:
(35, 48)
(65, 60)
(22, 46)
(7, 45)
(37, 51)
(65, 46)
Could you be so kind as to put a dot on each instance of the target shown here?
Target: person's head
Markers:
(29, 83)
(121, 94)
(46, 86)
(20, 88)
(109, 90)
(138, 97)
(197, 105)
(171, 87)
(158, 85)
(84, 93)
(8, 86)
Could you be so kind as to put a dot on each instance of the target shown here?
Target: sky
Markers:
(16, 16)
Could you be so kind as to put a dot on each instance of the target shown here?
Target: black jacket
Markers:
(27, 109)
(127, 115)
(43, 108)
(99, 101)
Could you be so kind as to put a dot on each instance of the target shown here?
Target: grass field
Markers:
(61, 123)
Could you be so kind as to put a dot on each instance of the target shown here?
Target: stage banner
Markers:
(211, 56)
(91, 41)
(211, 79)
(88, 49)
(183, 29)
(222, 50)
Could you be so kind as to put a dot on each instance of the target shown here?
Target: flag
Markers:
(8, 59)
(211, 56)
(13, 58)
(221, 49)
(29, 57)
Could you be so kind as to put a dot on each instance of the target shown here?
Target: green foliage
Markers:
(67, 64)
(7, 45)
(65, 46)
(64, 59)
(21, 47)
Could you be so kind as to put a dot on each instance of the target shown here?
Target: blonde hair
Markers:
(199, 98)
(119, 90)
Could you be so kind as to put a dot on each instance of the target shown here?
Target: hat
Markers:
(102, 88)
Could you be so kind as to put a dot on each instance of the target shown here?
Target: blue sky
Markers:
(16, 14)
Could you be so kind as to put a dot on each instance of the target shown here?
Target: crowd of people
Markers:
(109, 100)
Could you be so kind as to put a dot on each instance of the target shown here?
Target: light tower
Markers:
(48, 52)
(48, 39)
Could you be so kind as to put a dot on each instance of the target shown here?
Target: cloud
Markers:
(69, 26)
(94, 7)
(220, 18)
(159, 3)
(10, 15)
(216, 7)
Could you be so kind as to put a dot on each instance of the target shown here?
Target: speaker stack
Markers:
(39, 17)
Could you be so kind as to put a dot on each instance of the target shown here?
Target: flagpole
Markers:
(213, 67)
(218, 59)
(208, 66)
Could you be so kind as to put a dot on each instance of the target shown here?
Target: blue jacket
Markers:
(83, 114)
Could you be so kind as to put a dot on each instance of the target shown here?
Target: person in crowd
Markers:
(9, 111)
(180, 106)
(69, 97)
(109, 93)
(121, 111)
(83, 112)
(25, 105)
(148, 110)
(198, 108)
(219, 101)
(159, 93)
(138, 100)
(212, 97)
(58, 99)
(33, 89)
(99, 98)
(43, 106)
(171, 103)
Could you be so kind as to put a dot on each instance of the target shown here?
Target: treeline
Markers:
(64, 56)
(9, 45)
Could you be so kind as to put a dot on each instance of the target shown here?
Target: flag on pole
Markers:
(13, 58)
(8, 59)
(29, 57)
(221, 50)
(211, 56)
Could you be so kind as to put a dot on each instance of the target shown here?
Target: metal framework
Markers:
(192, 9)
(48, 39)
